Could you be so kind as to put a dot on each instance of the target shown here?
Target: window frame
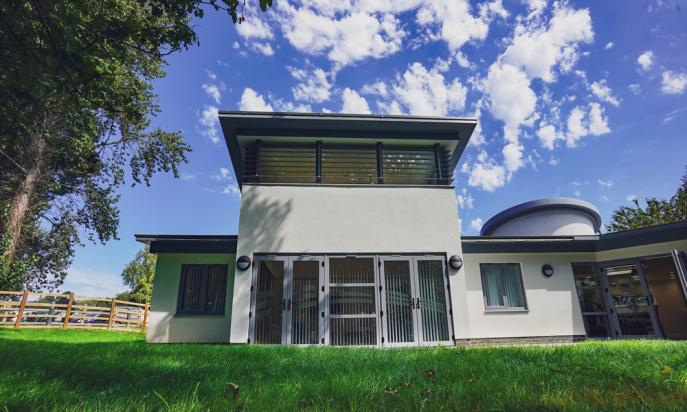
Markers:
(180, 294)
(506, 308)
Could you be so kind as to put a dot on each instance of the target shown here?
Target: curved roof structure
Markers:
(542, 205)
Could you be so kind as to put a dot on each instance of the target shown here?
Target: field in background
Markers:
(99, 370)
(67, 310)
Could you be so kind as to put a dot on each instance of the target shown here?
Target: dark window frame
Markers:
(509, 307)
(206, 294)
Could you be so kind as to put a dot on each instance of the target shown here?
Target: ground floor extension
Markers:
(549, 289)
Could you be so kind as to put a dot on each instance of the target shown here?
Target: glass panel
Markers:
(351, 270)
(353, 331)
(399, 313)
(668, 296)
(268, 302)
(630, 301)
(217, 289)
(349, 165)
(281, 164)
(432, 301)
(596, 326)
(357, 300)
(194, 288)
(305, 327)
(502, 286)
(591, 300)
(585, 275)
(409, 166)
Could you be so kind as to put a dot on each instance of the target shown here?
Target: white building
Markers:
(349, 235)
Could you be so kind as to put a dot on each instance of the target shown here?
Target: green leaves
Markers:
(656, 212)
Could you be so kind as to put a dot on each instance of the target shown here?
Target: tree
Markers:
(77, 99)
(138, 276)
(656, 212)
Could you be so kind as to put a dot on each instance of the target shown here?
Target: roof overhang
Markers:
(575, 244)
(241, 128)
(189, 243)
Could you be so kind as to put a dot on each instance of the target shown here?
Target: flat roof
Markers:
(541, 205)
(189, 243)
(588, 243)
(454, 132)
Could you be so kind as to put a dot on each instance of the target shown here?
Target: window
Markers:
(591, 300)
(202, 289)
(502, 286)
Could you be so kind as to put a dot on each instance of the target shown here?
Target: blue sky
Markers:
(583, 99)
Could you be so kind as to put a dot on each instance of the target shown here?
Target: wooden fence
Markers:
(53, 310)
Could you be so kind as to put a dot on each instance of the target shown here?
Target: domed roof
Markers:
(542, 205)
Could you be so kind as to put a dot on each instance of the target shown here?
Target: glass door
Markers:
(633, 309)
(304, 301)
(269, 301)
(432, 302)
(398, 315)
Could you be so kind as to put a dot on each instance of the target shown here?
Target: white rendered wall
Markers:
(549, 223)
(343, 219)
(552, 305)
(164, 325)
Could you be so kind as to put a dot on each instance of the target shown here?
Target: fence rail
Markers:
(54, 310)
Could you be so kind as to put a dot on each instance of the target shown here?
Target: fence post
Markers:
(145, 318)
(69, 310)
(112, 314)
(22, 306)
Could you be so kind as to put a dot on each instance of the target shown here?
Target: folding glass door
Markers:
(632, 306)
(415, 300)
(286, 300)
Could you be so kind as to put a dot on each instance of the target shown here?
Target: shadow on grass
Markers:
(72, 371)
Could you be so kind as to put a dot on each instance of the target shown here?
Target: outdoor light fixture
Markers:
(243, 262)
(547, 270)
(456, 262)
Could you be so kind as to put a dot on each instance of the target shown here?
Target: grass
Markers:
(94, 370)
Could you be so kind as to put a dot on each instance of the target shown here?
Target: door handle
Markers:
(283, 304)
(412, 303)
(288, 305)
(418, 303)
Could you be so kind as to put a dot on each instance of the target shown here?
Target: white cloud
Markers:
(581, 123)
(465, 200)
(264, 48)
(486, 174)
(314, 86)
(547, 136)
(221, 175)
(92, 283)
(605, 183)
(231, 189)
(213, 92)
(476, 224)
(646, 60)
(512, 156)
(211, 75)
(673, 83)
(634, 88)
(510, 96)
(535, 6)
(537, 50)
(425, 92)
(604, 198)
(598, 124)
(208, 119)
(455, 22)
(604, 93)
(673, 114)
(254, 28)
(252, 101)
(343, 33)
(609, 45)
(631, 198)
(353, 102)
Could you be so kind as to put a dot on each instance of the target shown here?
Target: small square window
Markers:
(502, 286)
(202, 289)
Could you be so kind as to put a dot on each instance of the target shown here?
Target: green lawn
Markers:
(92, 370)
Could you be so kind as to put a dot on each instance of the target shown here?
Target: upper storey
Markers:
(325, 148)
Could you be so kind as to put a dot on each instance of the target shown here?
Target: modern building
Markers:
(349, 235)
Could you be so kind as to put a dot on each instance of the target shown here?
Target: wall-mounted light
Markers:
(243, 262)
(456, 262)
(547, 270)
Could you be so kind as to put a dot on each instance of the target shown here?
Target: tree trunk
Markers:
(21, 202)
